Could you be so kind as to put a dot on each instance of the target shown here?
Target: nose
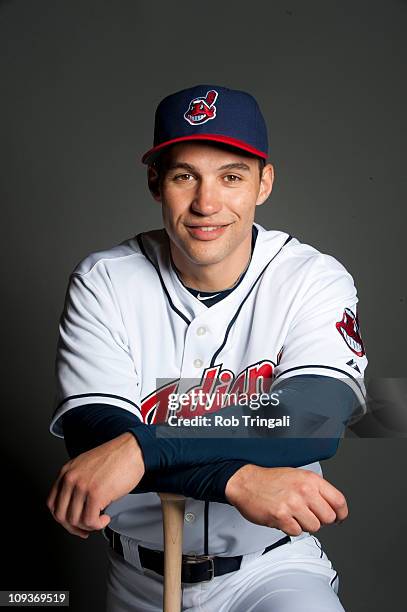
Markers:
(206, 200)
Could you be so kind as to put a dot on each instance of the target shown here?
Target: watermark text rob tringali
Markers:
(217, 420)
(206, 401)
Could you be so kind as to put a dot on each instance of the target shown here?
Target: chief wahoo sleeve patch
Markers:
(348, 327)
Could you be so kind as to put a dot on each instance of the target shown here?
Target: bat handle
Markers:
(173, 508)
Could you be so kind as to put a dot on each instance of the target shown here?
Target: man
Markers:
(215, 304)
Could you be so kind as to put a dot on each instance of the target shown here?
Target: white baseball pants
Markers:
(295, 577)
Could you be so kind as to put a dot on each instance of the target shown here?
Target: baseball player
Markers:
(158, 332)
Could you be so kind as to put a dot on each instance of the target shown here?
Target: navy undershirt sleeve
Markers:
(312, 402)
(88, 426)
(200, 467)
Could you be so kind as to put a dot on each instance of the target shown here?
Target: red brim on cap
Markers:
(239, 144)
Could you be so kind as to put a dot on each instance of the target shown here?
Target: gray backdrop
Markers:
(80, 82)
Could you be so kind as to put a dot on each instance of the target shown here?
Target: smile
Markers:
(210, 228)
(208, 232)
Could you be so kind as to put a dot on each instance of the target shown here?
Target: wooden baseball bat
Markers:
(173, 508)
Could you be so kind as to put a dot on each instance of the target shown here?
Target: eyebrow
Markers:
(231, 166)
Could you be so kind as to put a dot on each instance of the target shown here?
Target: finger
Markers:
(290, 526)
(69, 523)
(91, 516)
(55, 509)
(55, 488)
(335, 499)
(52, 496)
(82, 533)
(322, 510)
(62, 500)
(342, 514)
(307, 520)
(75, 507)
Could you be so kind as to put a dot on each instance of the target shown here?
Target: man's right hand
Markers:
(290, 499)
(87, 484)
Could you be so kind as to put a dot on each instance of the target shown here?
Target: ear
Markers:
(266, 184)
(154, 183)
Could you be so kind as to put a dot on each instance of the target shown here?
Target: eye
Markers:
(232, 178)
(183, 177)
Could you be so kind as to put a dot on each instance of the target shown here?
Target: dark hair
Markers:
(262, 163)
(160, 163)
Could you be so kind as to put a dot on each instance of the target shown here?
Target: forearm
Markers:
(192, 466)
(309, 401)
(89, 426)
(318, 408)
(205, 482)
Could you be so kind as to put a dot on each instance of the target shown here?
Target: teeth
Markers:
(352, 343)
(210, 229)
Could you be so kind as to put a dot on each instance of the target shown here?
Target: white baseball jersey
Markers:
(131, 333)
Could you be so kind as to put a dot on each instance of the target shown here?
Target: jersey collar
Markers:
(156, 243)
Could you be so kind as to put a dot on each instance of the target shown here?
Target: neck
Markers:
(216, 276)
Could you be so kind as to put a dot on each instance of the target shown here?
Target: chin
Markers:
(207, 252)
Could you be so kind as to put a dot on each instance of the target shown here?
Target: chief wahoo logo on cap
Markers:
(202, 110)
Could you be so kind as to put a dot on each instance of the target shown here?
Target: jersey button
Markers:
(189, 517)
(201, 331)
(198, 363)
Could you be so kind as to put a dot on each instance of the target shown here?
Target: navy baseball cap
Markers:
(209, 112)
